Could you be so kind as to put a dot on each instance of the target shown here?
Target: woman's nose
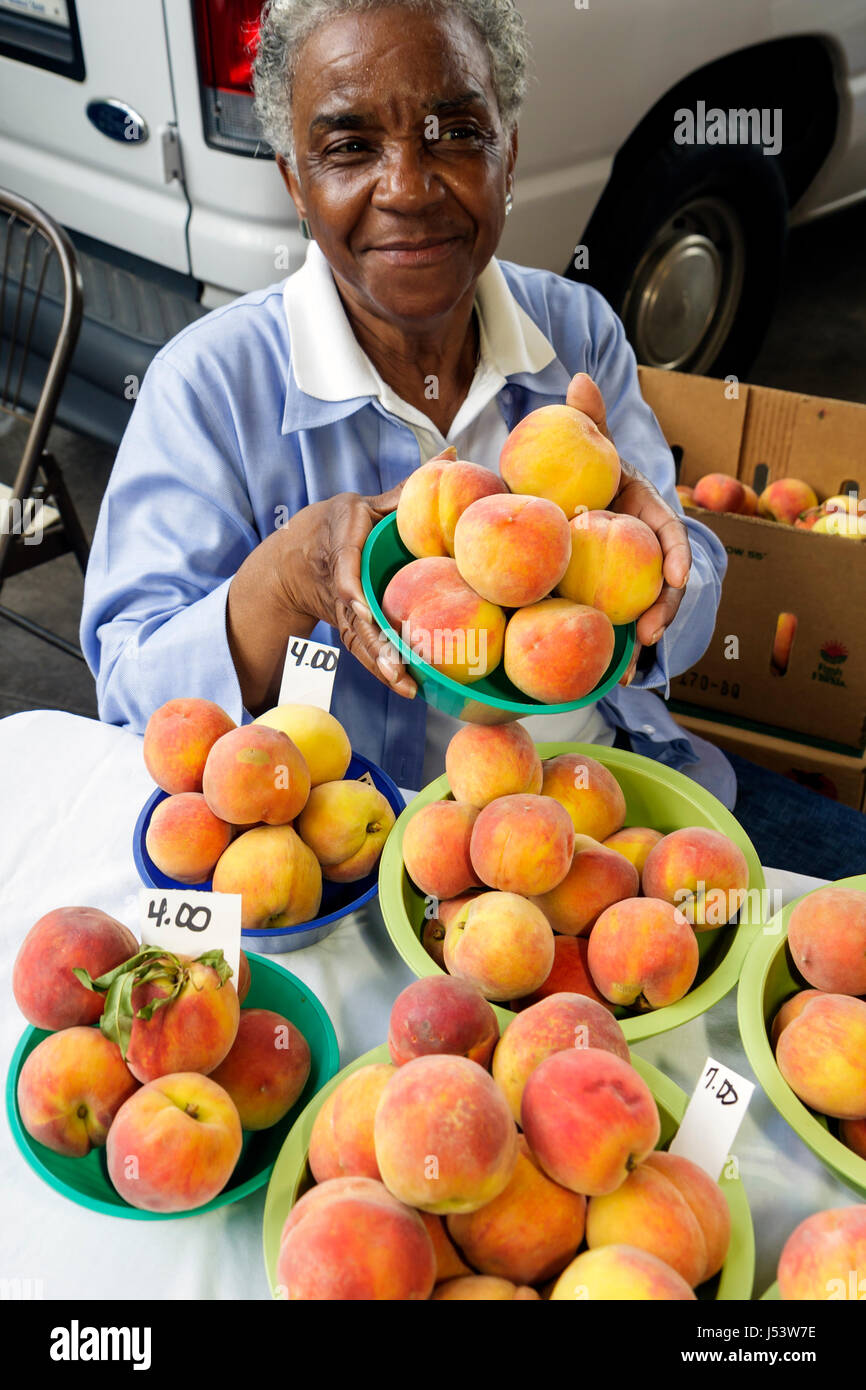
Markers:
(405, 180)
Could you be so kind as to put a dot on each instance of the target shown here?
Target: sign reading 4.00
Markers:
(308, 675)
(189, 922)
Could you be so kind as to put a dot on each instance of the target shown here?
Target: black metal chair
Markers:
(40, 289)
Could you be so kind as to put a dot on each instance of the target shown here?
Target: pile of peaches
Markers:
(263, 809)
(819, 1034)
(527, 569)
(477, 1167)
(534, 884)
(148, 1055)
(789, 501)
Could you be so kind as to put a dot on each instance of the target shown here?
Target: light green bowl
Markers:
(655, 796)
(493, 700)
(769, 978)
(292, 1177)
(86, 1181)
(771, 1295)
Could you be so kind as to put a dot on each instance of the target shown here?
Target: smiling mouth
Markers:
(417, 253)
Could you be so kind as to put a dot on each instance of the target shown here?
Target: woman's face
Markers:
(402, 158)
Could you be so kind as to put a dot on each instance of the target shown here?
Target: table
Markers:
(72, 789)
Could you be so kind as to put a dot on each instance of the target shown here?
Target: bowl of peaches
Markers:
(529, 869)
(514, 593)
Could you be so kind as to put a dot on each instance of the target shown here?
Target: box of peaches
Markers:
(151, 1084)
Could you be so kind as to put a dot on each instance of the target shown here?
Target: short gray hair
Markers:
(287, 24)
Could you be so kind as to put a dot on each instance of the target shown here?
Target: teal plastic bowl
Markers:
(86, 1181)
(492, 700)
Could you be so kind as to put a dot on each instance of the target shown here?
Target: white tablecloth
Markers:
(71, 791)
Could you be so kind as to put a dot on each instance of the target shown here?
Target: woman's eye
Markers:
(346, 147)
(458, 132)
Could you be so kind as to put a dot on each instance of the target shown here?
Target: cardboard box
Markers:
(758, 434)
(839, 776)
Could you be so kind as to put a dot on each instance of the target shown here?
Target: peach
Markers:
(444, 621)
(558, 1024)
(670, 1207)
(266, 1068)
(557, 651)
(445, 1139)
(827, 939)
(597, 878)
(255, 774)
(438, 1014)
(501, 944)
(853, 1136)
(46, 991)
(484, 762)
(635, 842)
(449, 1262)
(192, 1031)
(560, 453)
(341, 1141)
(177, 740)
(436, 849)
(276, 874)
(686, 495)
(822, 1056)
(719, 492)
(750, 501)
(70, 1088)
(185, 839)
(620, 1273)
(512, 550)
(529, 1232)
(346, 824)
(643, 953)
(589, 1118)
(700, 871)
(433, 499)
(784, 500)
(615, 565)
(350, 1239)
(790, 1010)
(436, 927)
(824, 1259)
(320, 739)
(842, 524)
(479, 1287)
(174, 1144)
(589, 792)
(569, 974)
(522, 844)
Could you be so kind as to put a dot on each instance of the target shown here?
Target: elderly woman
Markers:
(270, 436)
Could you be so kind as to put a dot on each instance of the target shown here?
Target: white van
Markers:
(665, 147)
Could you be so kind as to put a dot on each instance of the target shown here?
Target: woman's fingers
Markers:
(637, 497)
(583, 394)
(358, 631)
(385, 502)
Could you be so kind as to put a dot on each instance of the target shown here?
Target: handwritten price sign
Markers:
(712, 1117)
(309, 672)
(190, 923)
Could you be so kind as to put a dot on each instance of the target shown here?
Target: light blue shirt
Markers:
(223, 443)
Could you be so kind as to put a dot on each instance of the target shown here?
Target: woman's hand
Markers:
(321, 574)
(305, 572)
(636, 496)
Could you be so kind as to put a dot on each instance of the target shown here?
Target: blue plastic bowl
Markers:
(338, 899)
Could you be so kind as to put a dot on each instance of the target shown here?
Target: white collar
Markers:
(329, 363)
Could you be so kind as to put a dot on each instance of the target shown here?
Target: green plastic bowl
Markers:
(86, 1180)
(493, 700)
(292, 1178)
(656, 796)
(769, 978)
(771, 1295)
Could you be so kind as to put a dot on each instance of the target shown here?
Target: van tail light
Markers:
(226, 34)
